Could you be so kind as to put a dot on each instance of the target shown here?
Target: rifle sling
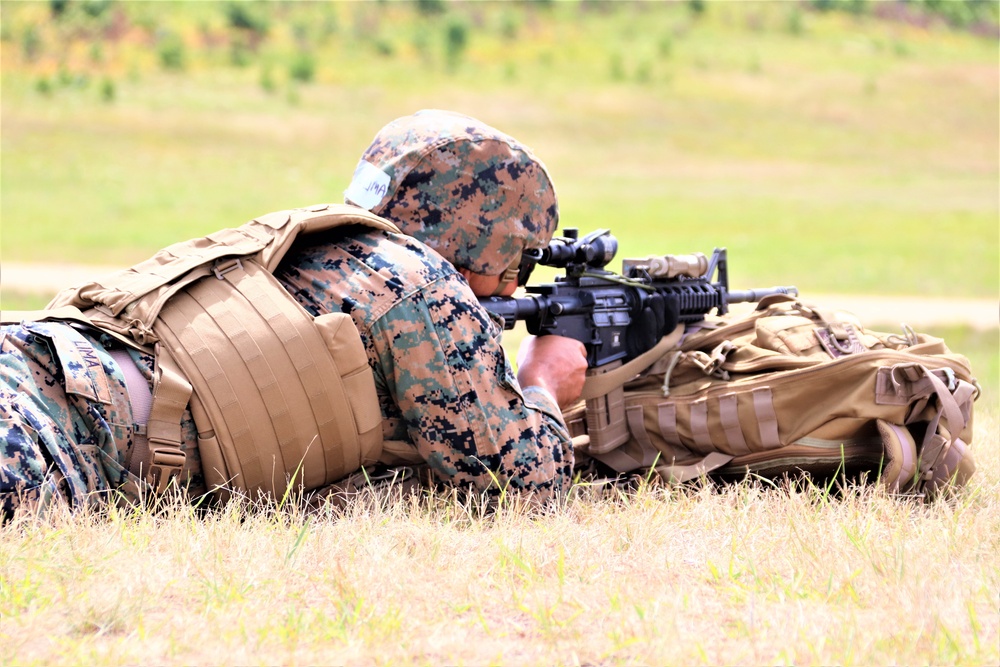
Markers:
(602, 384)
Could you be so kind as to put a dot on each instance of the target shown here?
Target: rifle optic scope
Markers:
(595, 250)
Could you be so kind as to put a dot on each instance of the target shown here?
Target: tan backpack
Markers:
(275, 393)
(791, 389)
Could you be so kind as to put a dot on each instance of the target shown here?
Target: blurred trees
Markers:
(288, 44)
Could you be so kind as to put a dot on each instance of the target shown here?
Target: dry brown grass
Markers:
(742, 575)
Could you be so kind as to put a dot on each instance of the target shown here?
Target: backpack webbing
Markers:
(792, 388)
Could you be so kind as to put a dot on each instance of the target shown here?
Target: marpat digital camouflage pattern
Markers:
(440, 372)
(442, 378)
(472, 193)
(65, 420)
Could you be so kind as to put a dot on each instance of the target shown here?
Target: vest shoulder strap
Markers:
(286, 226)
(134, 295)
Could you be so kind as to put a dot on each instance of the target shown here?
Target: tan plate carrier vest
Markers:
(277, 396)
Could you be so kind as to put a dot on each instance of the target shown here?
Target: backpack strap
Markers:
(954, 405)
(604, 394)
(684, 473)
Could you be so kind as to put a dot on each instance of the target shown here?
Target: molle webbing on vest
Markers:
(273, 382)
(275, 393)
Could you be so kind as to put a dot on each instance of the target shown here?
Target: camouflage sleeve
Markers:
(440, 357)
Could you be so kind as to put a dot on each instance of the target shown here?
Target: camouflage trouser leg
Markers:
(25, 477)
(65, 420)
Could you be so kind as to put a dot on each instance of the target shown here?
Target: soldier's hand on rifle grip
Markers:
(555, 363)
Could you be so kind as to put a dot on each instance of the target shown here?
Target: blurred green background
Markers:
(842, 146)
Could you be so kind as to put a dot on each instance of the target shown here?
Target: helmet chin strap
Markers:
(508, 276)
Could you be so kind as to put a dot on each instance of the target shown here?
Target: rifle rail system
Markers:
(620, 316)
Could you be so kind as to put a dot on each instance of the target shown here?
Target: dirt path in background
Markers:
(918, 312)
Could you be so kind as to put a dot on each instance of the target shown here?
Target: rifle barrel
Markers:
(754, 295)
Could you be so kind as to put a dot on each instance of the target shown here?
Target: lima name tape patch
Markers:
(369, 185)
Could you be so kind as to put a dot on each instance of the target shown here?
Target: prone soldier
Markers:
(89, 398)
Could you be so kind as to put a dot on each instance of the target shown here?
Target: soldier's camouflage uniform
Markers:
(65, 420)
(66, 427)
(440, 373)
(443, 381)
(478, 197)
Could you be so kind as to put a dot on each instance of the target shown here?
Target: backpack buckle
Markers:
(165, 463)
(839, 339)
(711, 363)
(222, 267)
(951, 380)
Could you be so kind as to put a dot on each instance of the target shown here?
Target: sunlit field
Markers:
(845, 153)
(748, 574)
(839, 153)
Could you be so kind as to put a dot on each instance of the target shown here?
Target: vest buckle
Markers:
(222, 267)
(165, 463)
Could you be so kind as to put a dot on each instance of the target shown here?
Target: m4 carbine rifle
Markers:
(618, 317)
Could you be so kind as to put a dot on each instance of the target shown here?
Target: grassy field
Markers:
(741, 575)
(846, 155)
(841, 153)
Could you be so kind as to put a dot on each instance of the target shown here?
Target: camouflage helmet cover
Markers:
(476, 195)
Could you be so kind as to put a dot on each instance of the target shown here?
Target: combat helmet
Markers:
(476, 195)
